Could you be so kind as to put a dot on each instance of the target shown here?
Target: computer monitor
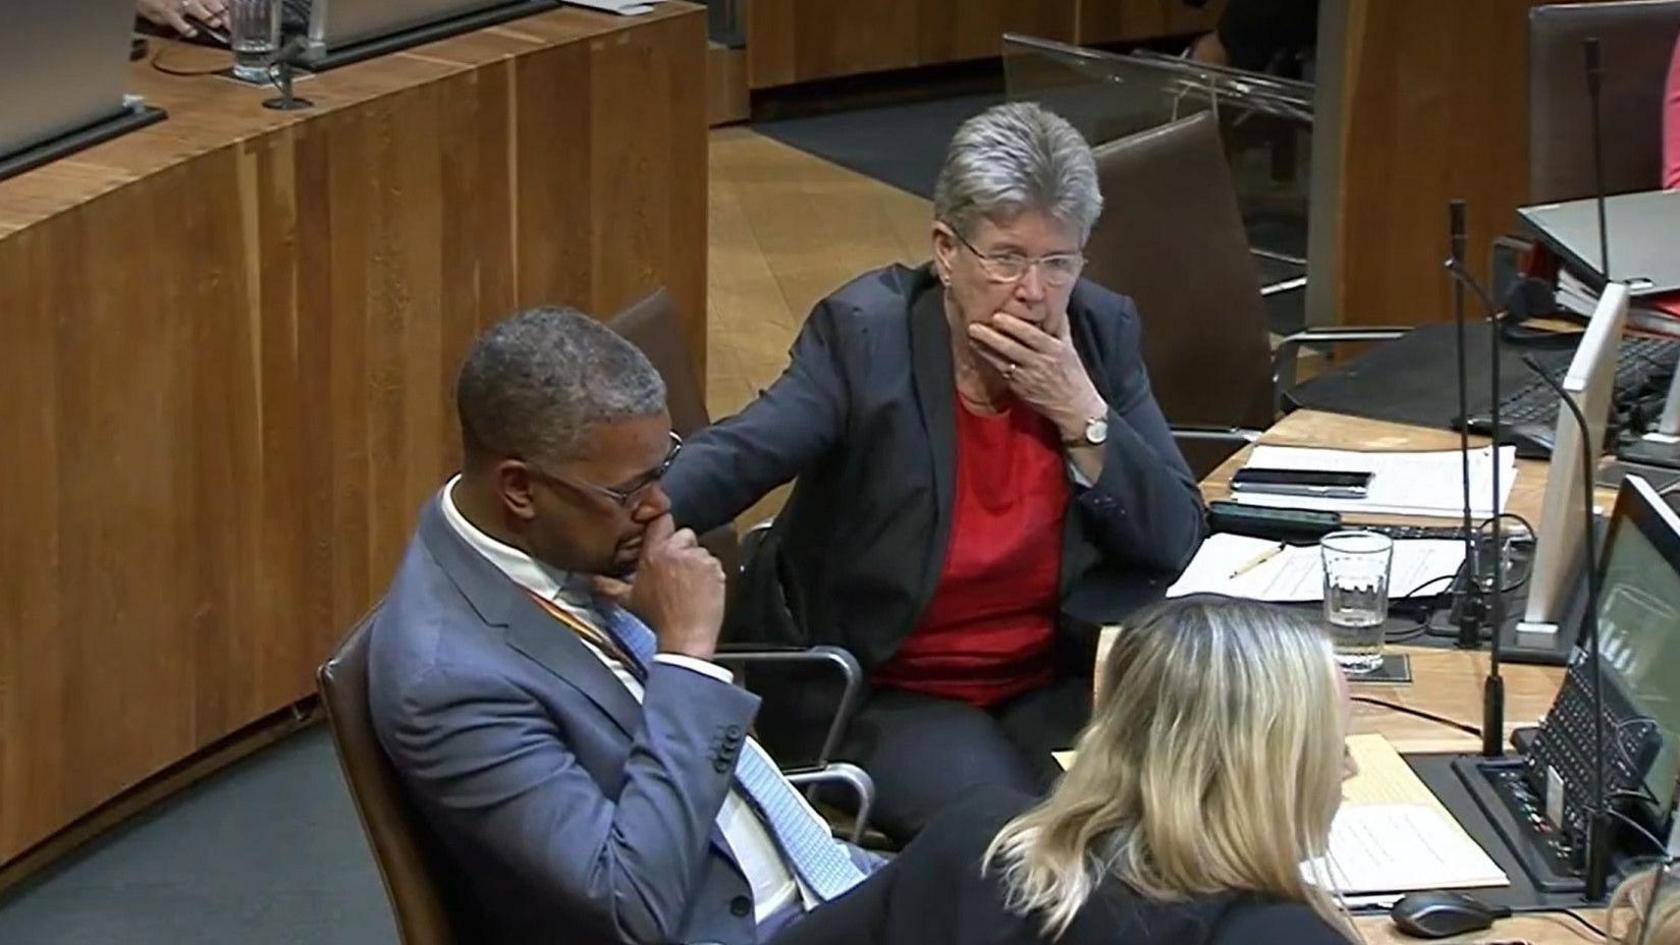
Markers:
(1560, 546)
(1639, 623)
(63, 66)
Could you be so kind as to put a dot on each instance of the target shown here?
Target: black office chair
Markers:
(1172, 238)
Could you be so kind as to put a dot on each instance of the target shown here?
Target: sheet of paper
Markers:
(1259, 569)
(1393, 835)
(1379, 848)
(1403, 483)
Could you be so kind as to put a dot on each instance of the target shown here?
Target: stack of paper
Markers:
(1402, 483)
(621, 7)
(1259, 569)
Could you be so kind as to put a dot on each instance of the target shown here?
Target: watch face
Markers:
(1096, 432)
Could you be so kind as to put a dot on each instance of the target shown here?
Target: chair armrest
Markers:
(1283, 357)
(843, 662)
(851, 776)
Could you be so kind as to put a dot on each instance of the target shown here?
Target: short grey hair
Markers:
(1013, 158)
(536, 384)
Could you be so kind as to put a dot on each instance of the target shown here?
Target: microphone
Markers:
(1598, 827)
(1469, 600)
(1589, 47)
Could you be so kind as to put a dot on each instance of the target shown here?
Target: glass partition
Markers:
(1266, 124)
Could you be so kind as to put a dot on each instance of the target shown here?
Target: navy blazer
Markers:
(576, 815)
(863, 417)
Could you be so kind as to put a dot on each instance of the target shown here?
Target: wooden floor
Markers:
(787, 229)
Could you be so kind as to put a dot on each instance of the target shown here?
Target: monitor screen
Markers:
(1639, 633)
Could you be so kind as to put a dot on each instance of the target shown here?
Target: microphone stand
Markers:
(1472, 607)
(1598, 828)
(1469, 597)
(280, 71)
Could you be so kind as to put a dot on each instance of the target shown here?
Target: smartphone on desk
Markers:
(1321, 483)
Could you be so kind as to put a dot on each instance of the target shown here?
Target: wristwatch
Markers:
(1096, 433)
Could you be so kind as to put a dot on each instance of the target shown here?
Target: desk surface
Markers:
(1446, 682)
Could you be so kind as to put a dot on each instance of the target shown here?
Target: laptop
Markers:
(1641, 227)
(337, 26)
(63, 67)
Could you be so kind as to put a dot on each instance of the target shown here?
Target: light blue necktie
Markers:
(813, 853)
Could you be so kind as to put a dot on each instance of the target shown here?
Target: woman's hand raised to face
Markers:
(1041, 368)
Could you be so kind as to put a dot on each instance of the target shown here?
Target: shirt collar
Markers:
(548, 583)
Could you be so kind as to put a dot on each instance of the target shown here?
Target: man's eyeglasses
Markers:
(1056, 269)
(627, 494)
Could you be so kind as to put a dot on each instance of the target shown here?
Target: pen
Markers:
(1256, 561)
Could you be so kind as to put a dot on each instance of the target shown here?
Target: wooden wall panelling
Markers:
(1432, 106)
(231, 342)
(1131, 21)
(791, 41)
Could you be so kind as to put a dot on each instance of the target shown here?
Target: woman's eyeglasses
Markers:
(1056, 269)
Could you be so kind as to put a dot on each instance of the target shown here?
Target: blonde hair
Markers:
(1652, 912)
(1213, 762)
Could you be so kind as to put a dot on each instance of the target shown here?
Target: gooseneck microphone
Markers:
(1598, 828)
(1469, 599)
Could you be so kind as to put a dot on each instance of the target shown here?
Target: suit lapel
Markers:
(502, 603)
(936, 391)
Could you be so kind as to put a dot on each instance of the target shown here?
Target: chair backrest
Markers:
(1635, 40)
(652, 325)
(1172, 238)
(425, 899)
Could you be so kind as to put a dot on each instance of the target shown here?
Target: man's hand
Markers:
(678, 590)
(180, 15)
(1042, 369)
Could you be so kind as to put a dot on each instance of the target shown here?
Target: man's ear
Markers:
(513, 483)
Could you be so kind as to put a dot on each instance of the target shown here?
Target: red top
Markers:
(986, 635)
(1671, 123)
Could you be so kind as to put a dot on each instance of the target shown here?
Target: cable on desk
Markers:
(1638, 828)
(1420, 713)
(1558, 910)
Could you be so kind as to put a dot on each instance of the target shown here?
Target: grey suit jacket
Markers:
(574, 814)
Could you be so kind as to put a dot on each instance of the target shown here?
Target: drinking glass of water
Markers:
(254, 34)
(1356, 565)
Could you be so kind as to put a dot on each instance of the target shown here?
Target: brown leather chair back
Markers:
(1635, 40)
(425, 899)
(1172, 238)
(651, 325)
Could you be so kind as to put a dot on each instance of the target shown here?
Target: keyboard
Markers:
(1643, 369)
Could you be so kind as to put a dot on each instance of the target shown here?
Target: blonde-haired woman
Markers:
(1210, 771)
(1646, 909)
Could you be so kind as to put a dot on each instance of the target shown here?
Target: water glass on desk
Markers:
(1356, 568)
(254, 34)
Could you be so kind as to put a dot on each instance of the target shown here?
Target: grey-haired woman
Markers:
(982, 473)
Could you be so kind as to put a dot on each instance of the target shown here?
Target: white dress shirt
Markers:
(774, 886)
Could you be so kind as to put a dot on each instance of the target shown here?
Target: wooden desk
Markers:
(230, 339)
(1445, 682)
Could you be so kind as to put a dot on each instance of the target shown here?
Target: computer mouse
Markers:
(1438, 914)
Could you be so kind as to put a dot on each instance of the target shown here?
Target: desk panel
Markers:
(230, 345)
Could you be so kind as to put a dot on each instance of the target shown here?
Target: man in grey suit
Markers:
(583, 765)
